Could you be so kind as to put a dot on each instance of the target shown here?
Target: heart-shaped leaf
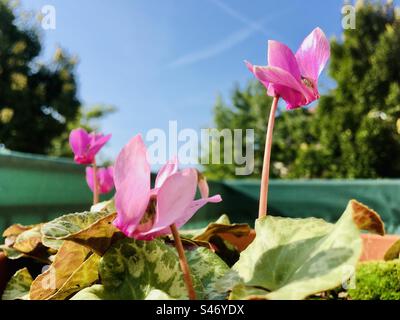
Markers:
(295, 258)
(67, 262)
(98, 236)
(60, 228)
(132, 270)
(29, 240)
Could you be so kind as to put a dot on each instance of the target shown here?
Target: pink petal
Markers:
(251, 69)
(285, 85)
(170, 168)
(97, 144)
(132, 184)
(89, 177)
(79, 141)
(313, 54)
(194, 207)
(280, 55)
(173, 199)
(105, 179)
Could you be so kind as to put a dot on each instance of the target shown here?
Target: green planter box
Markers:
(38, 188)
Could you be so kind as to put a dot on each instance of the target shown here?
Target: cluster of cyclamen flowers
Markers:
(85, 147)
(143, 212)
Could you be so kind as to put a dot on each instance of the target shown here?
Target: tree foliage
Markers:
(354, 132)
(38, 101)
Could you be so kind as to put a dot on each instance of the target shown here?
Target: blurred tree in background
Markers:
(354, 132)
(38, 101)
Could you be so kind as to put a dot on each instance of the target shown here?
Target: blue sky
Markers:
(161, 60)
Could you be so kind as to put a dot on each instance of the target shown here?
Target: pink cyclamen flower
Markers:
(105, 179)
(144, 213)
(86, 145)
(294, 78)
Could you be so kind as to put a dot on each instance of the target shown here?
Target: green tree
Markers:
(37, 100)
(357, 121)
(249, 109)
(354, 131)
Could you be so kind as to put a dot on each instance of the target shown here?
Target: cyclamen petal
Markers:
(143, 213)
(132, 185)
(279, 55)
(294, 77)
(170, 168)
(104, 178)
(313, 54)
(85, 146)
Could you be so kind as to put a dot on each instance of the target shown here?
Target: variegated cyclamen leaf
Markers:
(29, 240)
(156, 294)
(11, 253)
(133, 270)
(208, 268)
(16, 229)
(18, 286)
(107, 206)
(130, 269)
(94, 292)
(295, 258)
(62, 227)
(98, 236)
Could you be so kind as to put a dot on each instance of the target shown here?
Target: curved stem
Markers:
(262, 210)
(183, 263)
(95, 184)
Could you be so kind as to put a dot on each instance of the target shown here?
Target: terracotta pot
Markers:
(374, 246)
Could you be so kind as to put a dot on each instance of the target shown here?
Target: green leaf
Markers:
(60, 228)
(208, 268)
(108, 206)
(156, 294)
(94, 292)
(295, 258)
(98, 236)
(11, 253)
(132, 270)
(18, 286)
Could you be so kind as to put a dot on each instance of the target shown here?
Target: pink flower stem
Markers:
(183, 262)
(262, 210)
(95, 184)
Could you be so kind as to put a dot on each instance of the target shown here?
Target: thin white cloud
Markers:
(230, 41)
(217, 48)
(238, 16)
